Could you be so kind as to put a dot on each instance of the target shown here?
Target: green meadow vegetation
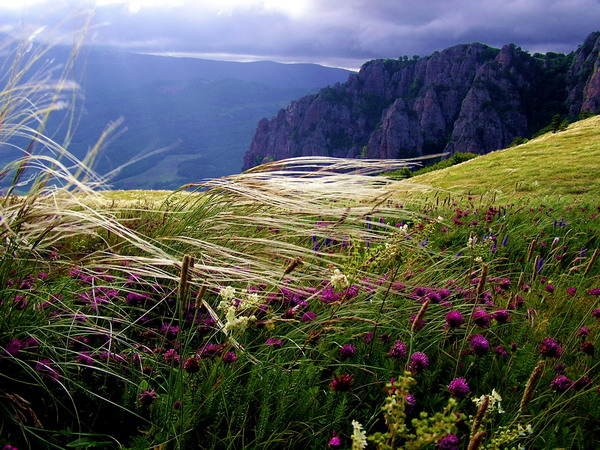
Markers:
(306, 303)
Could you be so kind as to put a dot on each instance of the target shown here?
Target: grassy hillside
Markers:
(562, 164)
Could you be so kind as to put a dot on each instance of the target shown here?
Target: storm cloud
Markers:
(342, 33)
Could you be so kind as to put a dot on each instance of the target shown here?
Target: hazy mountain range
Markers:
(205, 112)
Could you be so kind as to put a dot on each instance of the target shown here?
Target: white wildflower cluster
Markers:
(440, 219)
(494, 402)
(232, 307)
(403, 230)
(359, 437)
(236, 323)
(472, 241)
(525, 430)
(338, 280)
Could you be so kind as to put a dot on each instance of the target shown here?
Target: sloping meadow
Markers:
(304, 303)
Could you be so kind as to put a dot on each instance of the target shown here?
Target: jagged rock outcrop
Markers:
(469, 97)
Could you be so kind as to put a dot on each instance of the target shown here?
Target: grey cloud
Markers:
(348, 32)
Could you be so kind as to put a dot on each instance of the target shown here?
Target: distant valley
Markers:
(204, 112)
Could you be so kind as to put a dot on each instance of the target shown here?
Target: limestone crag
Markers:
(469, 97)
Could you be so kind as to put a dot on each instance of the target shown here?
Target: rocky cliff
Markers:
(470, 97)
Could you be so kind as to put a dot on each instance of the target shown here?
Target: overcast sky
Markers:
(343, 33)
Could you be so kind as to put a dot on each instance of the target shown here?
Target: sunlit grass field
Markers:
(305, 304)
(563, 164)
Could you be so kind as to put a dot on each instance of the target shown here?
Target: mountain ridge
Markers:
(466, 98)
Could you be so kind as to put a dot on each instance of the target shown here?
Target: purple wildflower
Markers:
(418, 362)
(595, 291)
(398, 350)
(539, 266)
(410, 402)
(596, 313)
(147, 397)
(45, 367)
(172, 357)
(481, 318)
(342, 383)
(308, 316)
(549, 347)
(479, 344)
(347, 351)
(274, 342)
(561, 384)
(14, 347)
(85, 358)
(559, 368)
(550, 288)
(504, 284)
(335, 440)
(572, 291)
(454, 319)
(448, 442)
(583, 331)
(582, 383)
(191, 365)
(459, 388)
(501, 316)
(229, 357)
(500, 351)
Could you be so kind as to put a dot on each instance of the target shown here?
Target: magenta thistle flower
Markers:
(583, 331)
(347, 351)
(595, 291)
(147, 397)
(500, 351)
(342, 383)
(85, 358)
(501, 316)
(335, 440)
(418, 362)
(479, 345)
(229, 357)
(191, 365)
(572, 291)
(274, 342)
(454, 319)
(398, 350)
(550, 348)
(308, 316)
(459, 388)
(596, 313)
(561, 384)
(448, 442)
(46, 367)
(582, 383)
(14, 347)
(171, 357)
(559, 368)
(550, 288)
(481, 318)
